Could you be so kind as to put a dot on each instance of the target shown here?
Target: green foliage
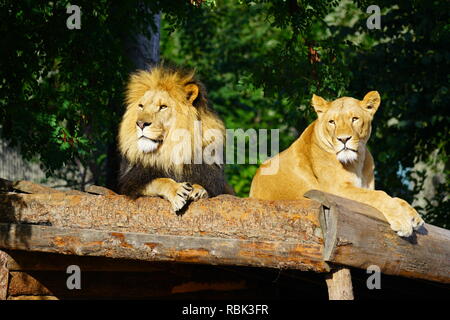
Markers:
(408, 64)
(255, 59)
(61, 90)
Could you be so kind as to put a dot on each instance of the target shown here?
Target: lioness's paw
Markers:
(405, 218)
(181, 195)
(415, 219)
(402, 228)
(198, 192)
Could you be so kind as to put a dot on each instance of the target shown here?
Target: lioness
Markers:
(331, 155)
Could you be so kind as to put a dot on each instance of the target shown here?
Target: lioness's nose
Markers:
(142, 124)
(344, 139)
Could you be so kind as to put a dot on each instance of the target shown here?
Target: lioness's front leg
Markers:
(177, 193)
(402, 218)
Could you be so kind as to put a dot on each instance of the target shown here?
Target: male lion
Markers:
(331, 155)
(166, 126)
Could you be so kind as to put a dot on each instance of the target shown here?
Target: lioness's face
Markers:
(154, 119)
(345, 124)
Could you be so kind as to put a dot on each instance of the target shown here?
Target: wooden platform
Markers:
(44, 230)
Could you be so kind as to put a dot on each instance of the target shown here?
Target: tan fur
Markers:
(169, 89)
(315, 161)
(163, 105)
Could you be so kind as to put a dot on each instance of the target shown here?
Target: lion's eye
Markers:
(354, 119)
(141, 106)
(162, 107)
(331, 122)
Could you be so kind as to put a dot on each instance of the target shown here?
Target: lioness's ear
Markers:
(371, 102)
(319, 104)
(191, 90)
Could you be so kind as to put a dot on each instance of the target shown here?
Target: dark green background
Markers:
(61, 90)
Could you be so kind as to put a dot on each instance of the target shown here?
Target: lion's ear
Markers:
(192, 91)
(319, 104)
(371, 102)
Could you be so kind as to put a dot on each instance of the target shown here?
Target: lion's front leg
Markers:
(178, 193)
(198, 192)
(402, 218)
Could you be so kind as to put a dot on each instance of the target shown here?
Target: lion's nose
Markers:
(344, 139)
(142, 124)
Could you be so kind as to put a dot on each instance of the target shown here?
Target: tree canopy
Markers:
(61, 90)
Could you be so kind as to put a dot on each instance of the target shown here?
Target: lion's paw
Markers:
(198, 192)
(181, 196)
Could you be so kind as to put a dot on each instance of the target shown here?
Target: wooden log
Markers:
(339, 283)
(220, 230)
(32, 298)
(18, 260)
(22, 283)
(100, 190)
(223, 216)
(31, 187)
(4, 275)
(357, 235)
(151, 247)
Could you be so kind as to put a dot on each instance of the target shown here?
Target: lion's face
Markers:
(164, 109)
(344, 125)
(154, 118)
(158, 103)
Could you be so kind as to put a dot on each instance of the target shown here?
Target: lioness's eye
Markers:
(331, 122)
(354, 119)
(162, 107)
(141, 106)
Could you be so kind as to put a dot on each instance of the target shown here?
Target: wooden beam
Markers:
(18, 260)
(4, 275)
(155, 247)
(339, 283)
(357, 235)
(221, 230)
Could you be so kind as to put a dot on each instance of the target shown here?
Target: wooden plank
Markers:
(31, 187)
(32, 298)
(100, 190)
(339, 283)
(153, 247)
(4, 276)
(355, 239)
(18, 260)
(22, 283)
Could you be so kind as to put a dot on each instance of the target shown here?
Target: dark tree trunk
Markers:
(142, 50)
